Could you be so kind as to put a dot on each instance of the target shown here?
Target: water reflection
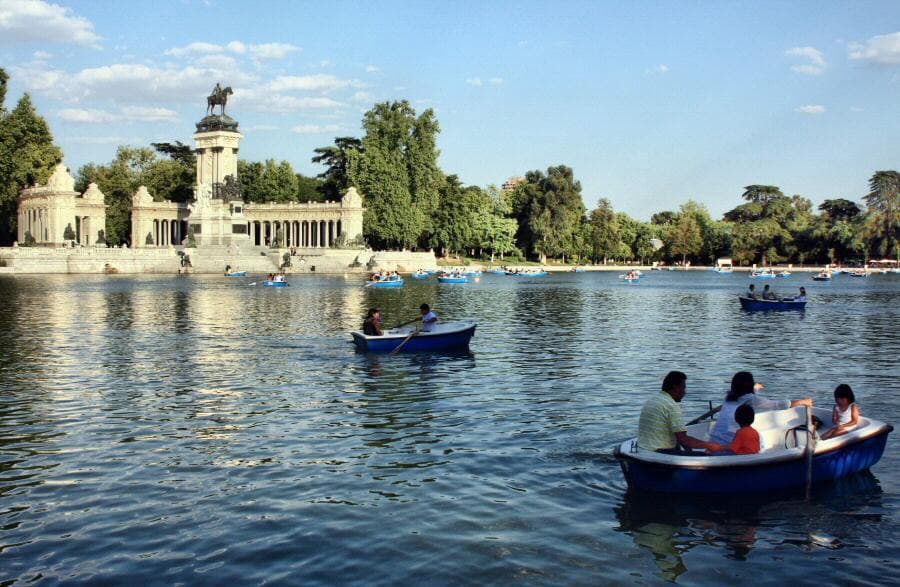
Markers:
(669, 527)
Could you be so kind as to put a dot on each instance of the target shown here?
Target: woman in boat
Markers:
(743, 391)
(372, 324)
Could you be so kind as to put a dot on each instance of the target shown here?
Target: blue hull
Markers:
(497, 271)
(453, 279)
(236, 274)
(275, 283)
(417, 276)
(763, 276)
(441, 342)
(757, 305)
(535, 274)
(387, 284)
(763, 477)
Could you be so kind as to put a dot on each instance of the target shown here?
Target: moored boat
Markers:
(444, 336)
(755, 304)
(789, 457)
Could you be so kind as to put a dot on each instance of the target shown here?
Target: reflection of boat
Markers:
(444, 336)
(753, 304)
(385, 283)
(473, 273)
(782, 463)
(275, 283)
(236, 274)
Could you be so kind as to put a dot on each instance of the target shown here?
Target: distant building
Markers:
(55, 213)
(511, 183)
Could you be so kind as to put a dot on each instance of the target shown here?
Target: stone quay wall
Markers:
(162, 260)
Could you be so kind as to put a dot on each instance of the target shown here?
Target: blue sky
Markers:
(651, 103)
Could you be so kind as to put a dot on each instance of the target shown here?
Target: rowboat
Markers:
(789, 457)
(578, 270)
(497, 271)
(420, 275)
(385, 283)
(783, 274)
(824, 276)
(764, 274)
(450, 279)
(236, 274)
(629, 278)
(527, 273)
(443, 337)
(754, 304)
(275, 283)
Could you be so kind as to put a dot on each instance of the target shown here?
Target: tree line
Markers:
(412, 203)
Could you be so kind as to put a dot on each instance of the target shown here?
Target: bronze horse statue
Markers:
(218, 97)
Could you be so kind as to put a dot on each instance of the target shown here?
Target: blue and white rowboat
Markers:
(275, 283)
(422, 275)
(236, 274)
(386, 283)
(781, 463)
(444, 337)
(754, 305)
(448, 279)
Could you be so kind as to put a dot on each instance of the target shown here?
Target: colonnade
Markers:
(168, 232)
(295, 233)
(36, 222)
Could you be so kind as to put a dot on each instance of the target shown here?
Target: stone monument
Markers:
(217, 212)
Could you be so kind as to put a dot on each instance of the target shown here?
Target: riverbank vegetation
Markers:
(412, 203)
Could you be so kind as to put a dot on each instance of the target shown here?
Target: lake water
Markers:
(199, 430)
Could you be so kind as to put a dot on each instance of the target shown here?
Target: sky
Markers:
(650, 103)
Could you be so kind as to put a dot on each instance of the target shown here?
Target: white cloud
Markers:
(474, 81)
(496, 81)
(266, 101)
(320, 82)
(812, 109)
(42, 55)
(86, 116)
(316, 129)
(816, 60)
(882, 49)
(129, 113)
(259, 128)
(372, 69)
(149, 114)
(364, 97)
(262, 51)
(28, 21)
(660, 69)
(94, 140)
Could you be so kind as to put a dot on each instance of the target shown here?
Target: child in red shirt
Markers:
(746, 439)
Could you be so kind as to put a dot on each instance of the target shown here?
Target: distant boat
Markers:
(453, 279)
(823, 276)
(578, 270)
(527, 273)
(787, 459)
(783, 274)
(444, 336)
(275, 283)
(497, 271)
(754, 305)
(420, 274)
(629, 277)
(386, 283)
(724, 265)
(236, 274)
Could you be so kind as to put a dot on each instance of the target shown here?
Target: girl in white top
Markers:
(846, 412)
(743, 391)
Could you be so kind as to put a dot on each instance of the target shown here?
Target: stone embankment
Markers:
(173, 260)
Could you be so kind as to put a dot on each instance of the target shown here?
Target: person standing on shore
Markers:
(661, 426)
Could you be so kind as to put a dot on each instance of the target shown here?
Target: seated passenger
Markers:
(372, 324)
(751, 292)
(769, 294)
(845, 414)
(746, 439)
(661, 426)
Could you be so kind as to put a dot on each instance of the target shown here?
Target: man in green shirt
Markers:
(661, 427)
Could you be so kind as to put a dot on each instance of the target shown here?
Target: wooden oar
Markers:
(405, 340)
(704, 416)
(404, 324)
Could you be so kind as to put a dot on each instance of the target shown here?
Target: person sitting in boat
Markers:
(661, 426)
(743, 391)
(768, 294)
(845, 414)
(799, 298)
(746, 439)
(227, 269)
(751, 292)
(279, 278)
(270, 277)
(372, 323)
(429, 319)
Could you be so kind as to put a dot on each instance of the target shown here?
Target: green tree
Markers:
(27, 156)
(338, 159)
(312, 189)
(550, 211)
(605, 239)
(760, 229)
(883, 215)
(687, 236)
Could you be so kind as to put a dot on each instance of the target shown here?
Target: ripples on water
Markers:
(199, 430)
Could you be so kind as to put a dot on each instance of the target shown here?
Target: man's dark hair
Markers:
(673, 379)
(425, 307)
(744, 415)
(741, 384)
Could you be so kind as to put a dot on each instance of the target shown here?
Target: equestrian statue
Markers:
(218, 97)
